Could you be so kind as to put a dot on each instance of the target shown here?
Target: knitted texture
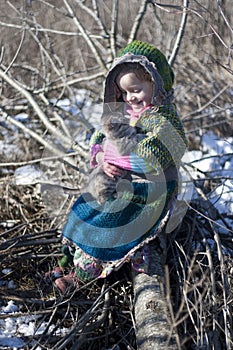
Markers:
(165, 143)
(108, 232)
(153, 55)
(87, 268)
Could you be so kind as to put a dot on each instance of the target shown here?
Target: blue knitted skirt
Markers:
(109, 231)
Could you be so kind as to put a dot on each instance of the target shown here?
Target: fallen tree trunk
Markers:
(153, 329)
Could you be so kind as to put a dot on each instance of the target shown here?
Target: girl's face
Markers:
(136, 93)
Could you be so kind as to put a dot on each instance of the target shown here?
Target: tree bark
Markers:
(153, 330)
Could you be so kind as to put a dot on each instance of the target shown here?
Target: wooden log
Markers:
(153, 329)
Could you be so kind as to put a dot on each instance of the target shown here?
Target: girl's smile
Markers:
(136, 93)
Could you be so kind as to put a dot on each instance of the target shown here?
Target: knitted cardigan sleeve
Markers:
(165, 143)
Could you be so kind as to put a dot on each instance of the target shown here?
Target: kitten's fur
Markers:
(116, 128)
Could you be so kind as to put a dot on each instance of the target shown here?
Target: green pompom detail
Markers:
(63, 262)
(67, 259)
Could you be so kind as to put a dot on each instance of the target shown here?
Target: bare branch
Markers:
(35, 136)
(33, 161)
(113, 27)
(180, 34)
(211, 26)
(57, 116)
(85, 36)
(36, 108)
(137, 21)
(71, 82)
(46, 54)
(17, 52)
(224, 17)
(95, 15)
(214, 294)
(47, 30)
(166, 7)
(209, 102)
(227, 311)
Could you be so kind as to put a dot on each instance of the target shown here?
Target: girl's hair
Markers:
(129, 67)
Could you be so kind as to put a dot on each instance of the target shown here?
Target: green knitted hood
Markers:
(153, 55)
(153, 61)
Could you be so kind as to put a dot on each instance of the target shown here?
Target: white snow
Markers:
(28, 175)
(222, 197)
(14, 329)
(22, 117)
(215, 160)
(9, 308)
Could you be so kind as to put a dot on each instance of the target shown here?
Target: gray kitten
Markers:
(116, 128)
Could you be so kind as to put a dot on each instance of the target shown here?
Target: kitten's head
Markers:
(116, 125)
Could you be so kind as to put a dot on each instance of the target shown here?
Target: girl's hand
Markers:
(99, 158)
(112, 170)
(109, 169)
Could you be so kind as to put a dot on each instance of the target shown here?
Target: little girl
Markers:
(98, 238)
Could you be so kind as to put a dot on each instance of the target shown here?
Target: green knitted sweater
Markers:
(165, 142)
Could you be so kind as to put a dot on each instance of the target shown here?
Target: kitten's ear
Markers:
(107, 111)
(111, 117)
(109, 108)
(104, 118)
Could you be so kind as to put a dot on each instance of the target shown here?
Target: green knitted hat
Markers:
(153, 55)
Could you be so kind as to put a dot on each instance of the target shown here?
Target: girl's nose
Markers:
(131, 97)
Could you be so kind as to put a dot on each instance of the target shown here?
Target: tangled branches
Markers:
(200, 277)
(99, 315)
